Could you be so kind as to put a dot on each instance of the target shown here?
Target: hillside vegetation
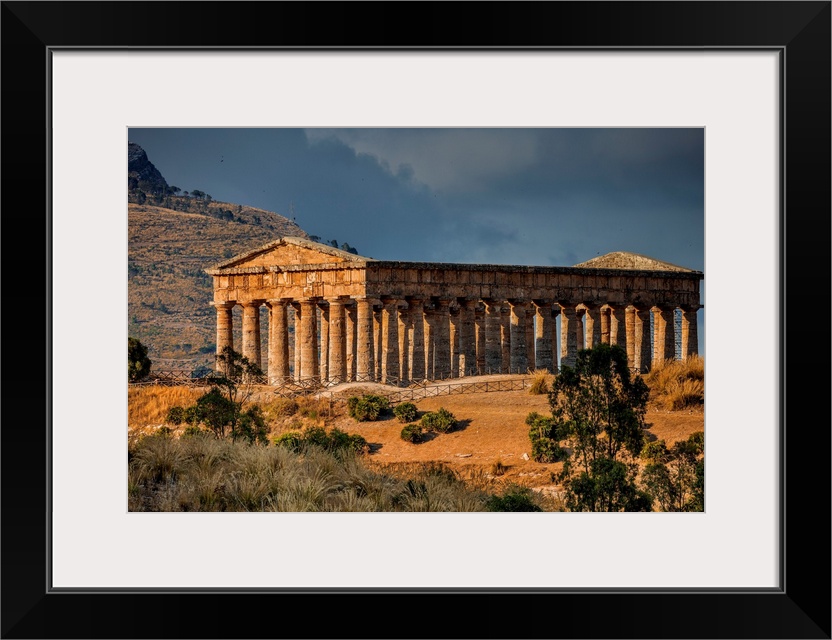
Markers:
(169, 292)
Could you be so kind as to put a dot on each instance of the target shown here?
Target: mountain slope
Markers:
(171, 240)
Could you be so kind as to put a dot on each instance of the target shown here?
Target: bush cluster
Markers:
(334, 441)
(405, 412)
(368, 407)
(514, 498)
(441, 421)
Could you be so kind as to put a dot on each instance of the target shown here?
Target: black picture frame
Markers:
(800, 608)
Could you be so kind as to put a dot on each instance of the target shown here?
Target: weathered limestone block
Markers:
(606, 324)
(530, 338)
(630, 335)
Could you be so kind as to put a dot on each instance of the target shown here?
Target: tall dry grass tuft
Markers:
(541, 382)
(203, 473)
(678, 384)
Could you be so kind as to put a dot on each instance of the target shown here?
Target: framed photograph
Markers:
(753, 78)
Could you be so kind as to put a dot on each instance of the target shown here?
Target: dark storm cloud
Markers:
(518, 196)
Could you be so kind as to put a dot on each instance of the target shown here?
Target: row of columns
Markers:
(389, 339)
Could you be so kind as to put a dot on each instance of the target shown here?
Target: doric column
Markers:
(556, 337)
(430, 340)
(493, 350)
(479, 336)
(365, 367)
(467, 337)
(390, 341)
(630, 335)
(349, 327)
(278, 341)
(404, 341)
(580, 327)
(530, 339)
(606, 327)
(505, 338)
(417, 338)
(518, 356)
(690, 332)
(251, 331)
(544, 357)
(618, 327)
(309, 339)
(642, 347)
(442, 366)
(225, 327)
(568, 334)
(296, 348)
(337, 341)
(592, 321)
(377, 345)
(323, 330)
(454, 341)
(664, 333)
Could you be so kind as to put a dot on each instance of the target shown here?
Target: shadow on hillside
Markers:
(462, 425)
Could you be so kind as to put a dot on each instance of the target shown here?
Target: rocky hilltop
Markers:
(172, 239)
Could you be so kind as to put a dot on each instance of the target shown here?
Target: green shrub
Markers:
(441, 421)
(655, 452)
(291, 440)
(514, 498)
(165, 432)
(175, 416)
(544, 438)
(192, 431)
(368, 407)
(412, 433)
(405, 412)
(343, 441)
(251, 427)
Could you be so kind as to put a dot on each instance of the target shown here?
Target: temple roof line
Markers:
(242, 263)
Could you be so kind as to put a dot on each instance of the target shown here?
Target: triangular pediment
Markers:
(632, 261)
(289, 251)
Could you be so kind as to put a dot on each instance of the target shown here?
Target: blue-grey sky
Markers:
(502, 196)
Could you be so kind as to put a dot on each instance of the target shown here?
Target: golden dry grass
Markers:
(541, 382)
(677, 384)
(148, 405)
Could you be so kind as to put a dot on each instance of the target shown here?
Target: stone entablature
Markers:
(364, 319)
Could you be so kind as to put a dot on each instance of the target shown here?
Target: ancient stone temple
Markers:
(354, 318)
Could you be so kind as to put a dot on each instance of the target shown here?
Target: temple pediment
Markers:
(627, 260)
(289, 251)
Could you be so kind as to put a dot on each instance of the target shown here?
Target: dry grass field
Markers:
(491, 441)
